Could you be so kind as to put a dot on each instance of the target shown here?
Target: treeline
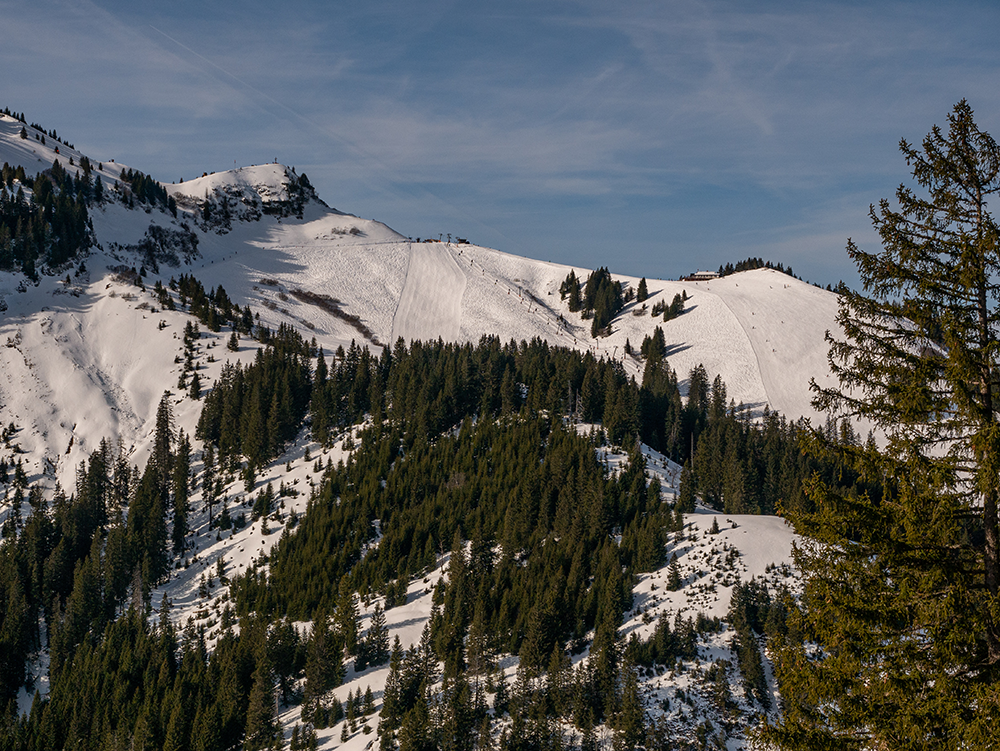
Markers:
(534, 568)
(754, 614)
(51, 133)
(51, 226)
(754, 263)
(146, 190)
(84, 567)
(428, 388)
(253, 411)
(214, 308)
(745, 467)
(517, 485)
(72, 562)
(732, 462)
(532, 515)
(10, 174)
(133, 686)
(738, 465)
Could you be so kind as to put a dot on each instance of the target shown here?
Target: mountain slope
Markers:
(348, 278)
(89, 355)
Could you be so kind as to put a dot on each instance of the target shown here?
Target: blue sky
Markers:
(655, 138)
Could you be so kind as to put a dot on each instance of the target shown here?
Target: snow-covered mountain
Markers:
(87, 355)
(83, 362)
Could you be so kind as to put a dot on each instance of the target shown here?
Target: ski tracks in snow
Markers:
(430, 305)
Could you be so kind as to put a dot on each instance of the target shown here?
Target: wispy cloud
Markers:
(752, 121)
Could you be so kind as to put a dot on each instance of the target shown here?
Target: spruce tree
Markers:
(377, 638)
(686, 493)
(181, 486)
(630, 721)
(319, 402)
(346, 617)
(673, 576)
(902, 577)
(163, 437)
(208, 479)
(147, 528)
(263, 728)
(323, 666)
(642, 293)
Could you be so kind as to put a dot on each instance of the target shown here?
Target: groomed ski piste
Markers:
(89, 358)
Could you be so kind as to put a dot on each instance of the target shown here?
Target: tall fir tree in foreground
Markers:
(901, 598)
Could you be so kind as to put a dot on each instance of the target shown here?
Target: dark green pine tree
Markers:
(673, 576)
(570, 288)
(163, 438)
(686, 494)
(675, 308)
(181, 488)
(178, 732)
(377, 638)
(606, 649)
(391, 717)
(630, 722)
(208, 479)
(147, 528)
(323, 667)
(319, 404)
(902, 579)
(346, 617)
(642, 293)
(263, 730)
(417, 732)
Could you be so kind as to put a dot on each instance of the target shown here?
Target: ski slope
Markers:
(762, 331)
(430, 305)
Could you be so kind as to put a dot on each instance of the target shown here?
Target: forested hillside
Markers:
(481, 450)
(231, 494)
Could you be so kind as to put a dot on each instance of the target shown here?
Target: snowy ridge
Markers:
(762, 331)
(89, 358)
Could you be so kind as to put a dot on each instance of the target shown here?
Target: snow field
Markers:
(762, 331)
(785, 317)
(431, 302)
